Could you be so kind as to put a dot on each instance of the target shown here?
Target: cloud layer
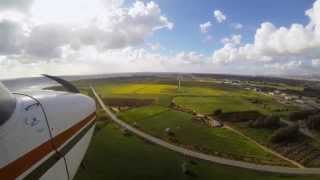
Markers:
(120, 28)
(284, 47)
(104, 36)
(31, 36)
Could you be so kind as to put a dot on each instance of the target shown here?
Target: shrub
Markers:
(217, 112)
(255, 101)
(313, 122)
(300, 115)
(257, 123)
(266, 122)
(286, 134)
(240, 116)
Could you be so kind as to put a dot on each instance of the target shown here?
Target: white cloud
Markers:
(155, 46)
(291, 65)
(315, 62)
(88, 60)
(272, 44)
(237, 26)
(205, 27)
(11, 37)
(233, 40)
(46, 41)
(90, 35)
(105, 36)
(220, 17)
(190, 57)
(46, 32)
(20, 5)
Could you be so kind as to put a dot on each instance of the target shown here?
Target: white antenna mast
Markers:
(179, 81)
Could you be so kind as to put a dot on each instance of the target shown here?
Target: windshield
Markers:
(7, 104)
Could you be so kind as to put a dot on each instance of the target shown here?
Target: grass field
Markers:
(261, 135)
(152, 89)
(305, 156)
(156, 119)
(141, 88)
(207, 105)
(201, 99)
(114, 156)
(162, 94)
(204, 98)
(234, 102)
(280, 86)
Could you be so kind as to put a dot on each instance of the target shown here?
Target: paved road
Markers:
(202, 156)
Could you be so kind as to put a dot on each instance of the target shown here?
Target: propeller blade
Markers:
(67, 85)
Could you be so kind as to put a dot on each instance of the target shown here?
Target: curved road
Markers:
(202, 156)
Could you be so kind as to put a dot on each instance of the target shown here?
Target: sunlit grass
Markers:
(155, 120)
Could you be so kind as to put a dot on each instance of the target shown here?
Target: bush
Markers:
(243, 116)
(313, 122)
(103, 118)
(217, 112)
(257, 123)
(300, 115)
(286, 134)
(255, 101)
(266, 122)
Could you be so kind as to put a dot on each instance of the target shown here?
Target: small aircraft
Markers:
(44, 134)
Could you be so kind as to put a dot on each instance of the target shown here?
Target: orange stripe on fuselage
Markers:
(20, 165)
(63, 137)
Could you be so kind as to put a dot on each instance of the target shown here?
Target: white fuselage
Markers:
(47, 135)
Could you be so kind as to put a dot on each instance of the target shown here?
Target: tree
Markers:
(287, 134)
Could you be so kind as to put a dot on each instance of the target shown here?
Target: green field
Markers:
(112, 155)
(261, 135)
(207, 105)
(156, 119)
(279, 86)
(115, 155)
(235, 101)
(156, 89)
(204, 98)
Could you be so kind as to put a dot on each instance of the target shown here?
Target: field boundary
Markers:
(264, 147)
(206, 157)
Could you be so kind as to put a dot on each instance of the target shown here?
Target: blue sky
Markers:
(188, 14)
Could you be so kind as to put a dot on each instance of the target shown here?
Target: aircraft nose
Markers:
(87, 104)
(84, 107)
(64, 111)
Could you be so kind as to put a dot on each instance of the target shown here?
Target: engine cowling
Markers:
(46, 135)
